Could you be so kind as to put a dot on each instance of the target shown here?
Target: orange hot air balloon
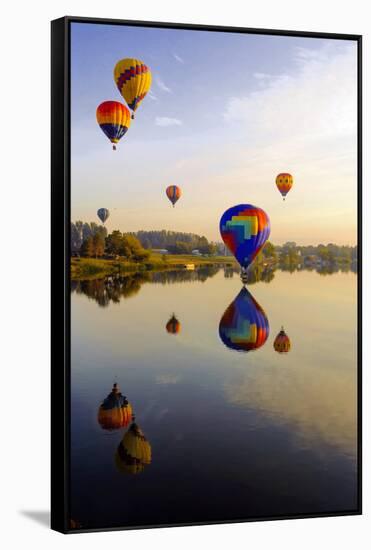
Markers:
(284, 183)
(173, 193)
(282, 342)
(173, 326)
(115, 412)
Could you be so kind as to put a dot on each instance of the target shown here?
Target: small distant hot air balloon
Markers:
(173, 193)
(284, 183)
(244, 229)
(244, 325)
(173, 326)
(282, 342)
(134, 451)
(103, 214)
(133, 80)
(114, 119)
(115, 412)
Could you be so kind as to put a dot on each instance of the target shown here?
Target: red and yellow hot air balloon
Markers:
(282, 342)
(173, 326)
(173, 193)
(284, 183)
(115, 412)
(133, 80)
(114, 119)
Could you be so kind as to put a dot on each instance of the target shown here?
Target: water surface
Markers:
(233, 434)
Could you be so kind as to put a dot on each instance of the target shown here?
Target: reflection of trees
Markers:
(200, 274)
(115, 287)
(110, 289)
(259, 272)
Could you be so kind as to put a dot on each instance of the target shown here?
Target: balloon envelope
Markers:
(115, 412)
(244, 229)
(133, 80)
(173, 326)
(114, 120)
(103, 214)
(284, 183)
(173, 193)
(282, 343)
(134, 451)
(244, 325)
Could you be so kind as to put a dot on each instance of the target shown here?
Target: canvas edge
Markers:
(60, 276)
(60, 341)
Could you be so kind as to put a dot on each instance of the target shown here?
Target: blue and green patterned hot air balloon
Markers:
(244, 325)
(244, 229)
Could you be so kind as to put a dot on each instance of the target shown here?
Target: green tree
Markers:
(87, 247)
(114, 243)
(98, 244)
(269, 251)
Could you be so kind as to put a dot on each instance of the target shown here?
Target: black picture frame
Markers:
(60, 268)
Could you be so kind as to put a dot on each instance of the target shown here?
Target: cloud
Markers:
(161, 84)
(318, 101)
(152, 95)
(261, 76)
(178, 58)
(167, 121)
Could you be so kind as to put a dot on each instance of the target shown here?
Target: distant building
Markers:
(160, 251)
(196, 252)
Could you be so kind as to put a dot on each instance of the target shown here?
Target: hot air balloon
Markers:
(134, 451)
(103, 214)
(244, 325)
(115, 412)
(114, 119)
(173, 326)
(284, 183)
(133, 80)
(282, 342)
(244, 229)
(173, 193)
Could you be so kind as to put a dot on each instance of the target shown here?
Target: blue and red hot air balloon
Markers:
(244, 229)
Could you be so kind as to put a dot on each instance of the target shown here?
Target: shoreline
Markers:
(96, 268)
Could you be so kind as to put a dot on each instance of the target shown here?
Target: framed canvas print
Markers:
(206, 274)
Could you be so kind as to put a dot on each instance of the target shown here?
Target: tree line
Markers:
(177, 242)
(93, 240)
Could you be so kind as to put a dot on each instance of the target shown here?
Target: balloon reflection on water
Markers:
(282, 343)
(244, 325)
(134, 451)
(115, 412)
(173, 326)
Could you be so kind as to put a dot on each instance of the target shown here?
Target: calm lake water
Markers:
(233, 434)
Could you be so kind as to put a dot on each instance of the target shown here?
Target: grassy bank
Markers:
(90, 268)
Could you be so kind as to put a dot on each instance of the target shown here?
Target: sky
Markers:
(225, 114)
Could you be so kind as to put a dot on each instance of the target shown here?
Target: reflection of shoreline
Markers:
(115, 287)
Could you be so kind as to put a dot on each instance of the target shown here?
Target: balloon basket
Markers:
(114, 147)
(244, 276)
